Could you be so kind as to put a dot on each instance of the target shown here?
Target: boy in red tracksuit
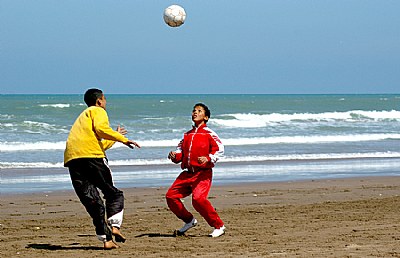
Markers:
(197, 152)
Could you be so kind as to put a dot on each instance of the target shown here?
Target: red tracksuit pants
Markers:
(198, 184)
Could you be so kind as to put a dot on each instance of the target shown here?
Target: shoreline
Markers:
(338, 217)
(39, 180)
(237, 185)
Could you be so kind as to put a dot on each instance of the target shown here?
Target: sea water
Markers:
(266, 137)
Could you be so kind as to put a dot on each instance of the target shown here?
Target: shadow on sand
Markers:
(59, 247)
(156, 235)
(176, 233)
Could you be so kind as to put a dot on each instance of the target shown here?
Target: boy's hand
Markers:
(131, 144)
(172, 155)
(121, 130)
(202, 160)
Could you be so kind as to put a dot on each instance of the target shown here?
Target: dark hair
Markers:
(206, 109)
(91, 96)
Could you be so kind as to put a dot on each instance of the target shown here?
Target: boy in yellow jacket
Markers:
(89, 138)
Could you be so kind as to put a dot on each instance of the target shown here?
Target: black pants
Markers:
(88, 174)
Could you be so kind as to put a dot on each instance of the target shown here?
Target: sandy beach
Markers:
(355, 217)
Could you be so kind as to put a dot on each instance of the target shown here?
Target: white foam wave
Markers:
(33, 127)
(280, 140)
(56, 105)
(7, 125)
(310, 139)
(262, 120)
(139, 162)
(319, 156)
(42, 145)
(291, 157)
(5, 116)
(34, 124)
(31, 146)
(30, 165)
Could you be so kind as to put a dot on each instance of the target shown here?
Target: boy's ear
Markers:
(98, 102)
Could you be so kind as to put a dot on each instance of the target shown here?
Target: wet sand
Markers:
(354, 217)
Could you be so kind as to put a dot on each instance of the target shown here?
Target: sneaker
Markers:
(218, 232)
(188, 226)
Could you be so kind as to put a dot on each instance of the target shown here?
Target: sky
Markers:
(225, 46)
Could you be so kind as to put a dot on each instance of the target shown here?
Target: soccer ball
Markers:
(174, 15)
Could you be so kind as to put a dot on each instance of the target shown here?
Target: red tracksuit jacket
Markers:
(197, 142)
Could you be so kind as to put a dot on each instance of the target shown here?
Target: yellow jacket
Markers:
(91, 135)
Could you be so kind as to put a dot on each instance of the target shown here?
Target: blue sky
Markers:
(225, 46)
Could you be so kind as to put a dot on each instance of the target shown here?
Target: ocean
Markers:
(266, 137)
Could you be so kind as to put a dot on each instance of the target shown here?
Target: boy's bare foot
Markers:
(110, 245)
(118, 235)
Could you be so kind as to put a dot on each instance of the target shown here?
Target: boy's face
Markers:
(199, 115)
(102, 102)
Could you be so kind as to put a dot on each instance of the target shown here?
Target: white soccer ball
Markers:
(174, 15)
